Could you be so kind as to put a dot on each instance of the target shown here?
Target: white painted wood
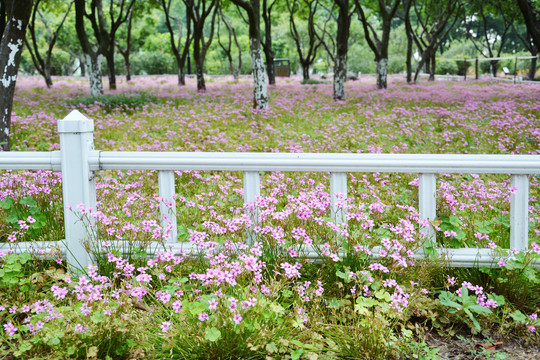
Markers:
(167, 206)
(519, 213)
(338, 185)
(78, 185)
(318, 162)
(252, 189)
(427, 203)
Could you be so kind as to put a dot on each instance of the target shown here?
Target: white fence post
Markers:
(78, 184)
(168, 213)
(519, 213)
(427, 203)
(252, 189)
(338, 185)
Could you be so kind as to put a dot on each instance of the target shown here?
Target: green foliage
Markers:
(153, 63)
(445, 66)
(115, 102)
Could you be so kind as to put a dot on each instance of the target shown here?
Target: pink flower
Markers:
(165, 326)
(10, 329)
(212, 304)
(203, 316)
(531, 328)
(58, 292)
(177, 306)
(237, 318)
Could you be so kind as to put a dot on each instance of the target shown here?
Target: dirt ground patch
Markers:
(471, 348)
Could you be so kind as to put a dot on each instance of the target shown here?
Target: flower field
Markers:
(236, 299)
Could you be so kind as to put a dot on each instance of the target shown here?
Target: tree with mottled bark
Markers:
(266, 42)
(531, 16)
(180, 51)
(198, 12)
(260, 89)
(386, 9)
(434, 19)
(42, 62)
(306, 48)
(14, 18)
(103, 43)
(227, 48)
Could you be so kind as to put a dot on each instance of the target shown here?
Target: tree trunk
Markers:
(493, 67)
(47, 74)
(269, 55)
(342, 48)
(199, 69)
(181, 76)
(127, 66)
(93, 66)
(305, 71)
(340, 74)
(432, 67)
(11, 46)
(260, 89)
(382, 73)
(111, 69)
(532, 69)
(408, 60)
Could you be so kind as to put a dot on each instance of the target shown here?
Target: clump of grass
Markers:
(314, 82)
(110, 102)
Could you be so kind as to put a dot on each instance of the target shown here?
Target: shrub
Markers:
(445, 66)
(153, 63)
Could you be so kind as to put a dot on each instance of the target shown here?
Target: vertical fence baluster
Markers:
(168, 213)
(519, 213)
(338, 185)
(427, 203)
(252, 189)
(78, 185)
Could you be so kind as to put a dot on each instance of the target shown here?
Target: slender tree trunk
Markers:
(11, 46)
(47, 75)
(127, 66)
(532, 69)
(408, 60)
(342, 39)
(305, 71)
(199, 64)
(260, 90)
(432, 60)
(382, 73)
(111, 69)
(93, 66)
(493, 67)
(340, 74)
(181, 72)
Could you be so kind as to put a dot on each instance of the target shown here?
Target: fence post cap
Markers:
(75, 122)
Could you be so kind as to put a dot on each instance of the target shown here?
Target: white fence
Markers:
(78, 162)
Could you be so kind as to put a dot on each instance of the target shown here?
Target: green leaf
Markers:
(196, 308)
(518, 316)
(278, 309)
(295, 355)
(271, 348)
(334, 303)
(98, 316)
(447, 299)
(212, 334)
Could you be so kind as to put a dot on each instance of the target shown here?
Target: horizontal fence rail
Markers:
(78, 162)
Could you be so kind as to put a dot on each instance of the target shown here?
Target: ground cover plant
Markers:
(233, 298)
